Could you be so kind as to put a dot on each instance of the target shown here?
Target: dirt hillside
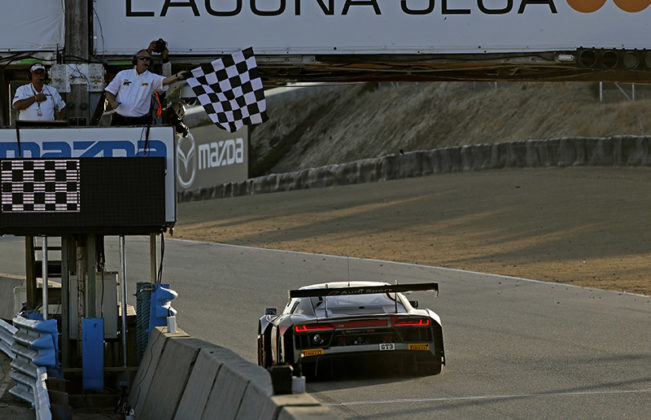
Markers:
(371, 120)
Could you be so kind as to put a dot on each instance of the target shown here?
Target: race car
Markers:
(340, 320)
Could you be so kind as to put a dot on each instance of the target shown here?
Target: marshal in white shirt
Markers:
(133, 91)
(39, 111)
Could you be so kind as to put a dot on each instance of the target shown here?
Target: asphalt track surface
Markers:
(515, 348)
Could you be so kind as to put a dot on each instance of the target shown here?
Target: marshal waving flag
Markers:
(230, 90)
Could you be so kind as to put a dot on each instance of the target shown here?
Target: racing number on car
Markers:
(387, 346)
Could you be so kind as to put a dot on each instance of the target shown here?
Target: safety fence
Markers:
(562, 152)
(185, 378)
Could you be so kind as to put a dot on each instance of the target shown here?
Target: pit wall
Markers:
(562, 152)
(181, 377)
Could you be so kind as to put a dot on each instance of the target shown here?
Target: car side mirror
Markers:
(270, 311)
(414, 303)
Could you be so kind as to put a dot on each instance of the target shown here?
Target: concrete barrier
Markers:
(597, 151)
(147, 368)
(185, 378)
(199, 387)
(170, 378)
(238, 380)
(9, 305)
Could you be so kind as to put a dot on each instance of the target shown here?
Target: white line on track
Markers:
(490, 397)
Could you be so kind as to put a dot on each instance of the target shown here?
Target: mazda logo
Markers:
(186, 161)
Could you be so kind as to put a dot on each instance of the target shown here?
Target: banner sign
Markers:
(32, 25)
(210, 156)
(278, 27)
(97, 142)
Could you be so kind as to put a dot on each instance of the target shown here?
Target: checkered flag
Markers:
(40, 186)
(230, 90)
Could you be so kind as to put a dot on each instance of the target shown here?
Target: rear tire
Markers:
(263, 351)
(309, 370)
(429, 367)
(260, 352)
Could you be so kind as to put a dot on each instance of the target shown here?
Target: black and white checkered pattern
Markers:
(40, 186)
(230, 90)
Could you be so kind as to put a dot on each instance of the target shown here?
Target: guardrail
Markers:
(35, 347)
(561, 152)
(41, 396)
(7, 332)
(181, 377)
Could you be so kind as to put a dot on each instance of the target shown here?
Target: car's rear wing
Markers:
(363, 290)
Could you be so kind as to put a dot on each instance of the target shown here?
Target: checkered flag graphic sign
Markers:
(40, 186)
(230, 90)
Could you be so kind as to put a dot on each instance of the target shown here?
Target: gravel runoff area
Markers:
(586, 226)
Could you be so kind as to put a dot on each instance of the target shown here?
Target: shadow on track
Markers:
(353, 372)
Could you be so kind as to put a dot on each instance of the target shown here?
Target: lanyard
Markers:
(38, 104)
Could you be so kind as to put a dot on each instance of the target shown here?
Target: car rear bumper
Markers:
(398, 362)
(386, 349)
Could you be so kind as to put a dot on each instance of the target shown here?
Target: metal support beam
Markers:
(91, 284)
(82, 264)
(152, 259)
(123, 281)
(67, 246)
(30, 275)
(77, 50)
(44, 274)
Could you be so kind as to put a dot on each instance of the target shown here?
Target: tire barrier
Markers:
(561, 152)
(185, 378)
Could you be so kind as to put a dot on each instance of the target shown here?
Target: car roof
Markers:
(344, 284)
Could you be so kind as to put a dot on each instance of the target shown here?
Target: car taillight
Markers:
(312, 327)
(411, 322)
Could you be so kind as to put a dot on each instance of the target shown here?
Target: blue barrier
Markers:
(92, 349)
(161, 297)
(40, 337)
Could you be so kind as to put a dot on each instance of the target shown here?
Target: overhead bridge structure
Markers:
(589, 64)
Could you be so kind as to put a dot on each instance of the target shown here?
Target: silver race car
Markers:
(352, 320)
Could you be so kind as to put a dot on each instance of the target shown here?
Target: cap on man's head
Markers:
(35, 67)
